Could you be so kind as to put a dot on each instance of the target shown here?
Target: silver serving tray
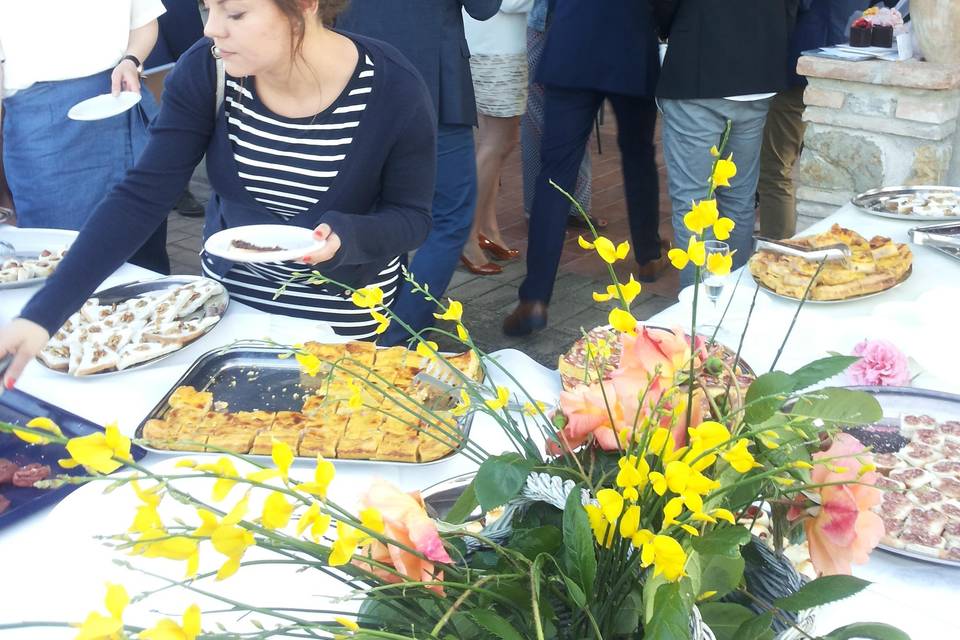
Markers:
(952, 228)
(215, 306)
(872, 201)
(249, 376)
(864, 296)
(897, 401)
(28, 243)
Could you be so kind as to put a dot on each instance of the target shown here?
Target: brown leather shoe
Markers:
(648, 271)
(498, 251)
(487, 269)
(528, 317)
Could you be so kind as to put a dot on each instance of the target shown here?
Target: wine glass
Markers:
(713, 286)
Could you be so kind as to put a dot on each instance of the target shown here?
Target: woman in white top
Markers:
(498, 62)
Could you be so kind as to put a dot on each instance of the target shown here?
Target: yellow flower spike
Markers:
(720, 264)
(642, 538)
(464, 405)
(690, 529)
(866, 468)
(677, 475)
(700, 516)
(503, 397)
(629, 290)
(186, 463)
(209, 523)
(740, 457)
(282, 456)
(238, 512)
(608, 252)
(603, 530)
(706, 595)
(167, 629)
(662, 444)
(671, 510)
(232, 541)
(317, 521)
(697, 251)
(276, 511)
(786, 482)
(99, 627)
(462, 333)
(116, 599)
(658, 482)
(714, 151)
(227, 476)
(769, 439)
(723, 514)
(344, 546)
(722, 228)
(96, 452)
(631, 494)
(383, 322)
(669, 558)
(368, 297)
(693, 501)
(372, 519)
(228, 568)
(309, 363)
(532, 409)
(424, 349)
(611, 504)
(723, 171)
(356, 395)
(348, 623)
(322, 477)
(634, 472)
(622, 321)
(801, 464)
(605, 297)
(454, 312)
(45, 424)
(703, 215)
(630, 522)
(584, 244)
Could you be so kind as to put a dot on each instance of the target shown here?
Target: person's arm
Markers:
(401, 220)
(126, 75)
(481, 9)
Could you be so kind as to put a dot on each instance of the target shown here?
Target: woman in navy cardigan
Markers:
(292, 83)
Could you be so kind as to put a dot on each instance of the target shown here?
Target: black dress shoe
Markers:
(577, 222)
(529, 316)
(188, 206)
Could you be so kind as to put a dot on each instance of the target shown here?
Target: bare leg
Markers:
(497, 139)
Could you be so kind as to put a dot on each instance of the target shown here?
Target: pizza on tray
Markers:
(392, 424)
(875, 265)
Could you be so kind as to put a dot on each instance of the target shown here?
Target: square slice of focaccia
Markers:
(232, 434)
(321, 435)
(160, 434)
(288, 421)
(398, 447)
(263, 443)
(189, 397)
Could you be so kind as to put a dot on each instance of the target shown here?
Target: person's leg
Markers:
(782, 140)
(498, 138)
(636, 121)
(454, 199)
(567, 125)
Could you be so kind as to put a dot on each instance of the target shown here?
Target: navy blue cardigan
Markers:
(379, 203)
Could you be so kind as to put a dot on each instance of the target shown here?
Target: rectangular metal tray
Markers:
(251, 377)
(952, 228)
(18, 408)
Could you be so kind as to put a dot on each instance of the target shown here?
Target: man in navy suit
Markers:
(595, 50)
(430, 34)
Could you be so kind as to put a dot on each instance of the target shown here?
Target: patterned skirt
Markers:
(500, 84)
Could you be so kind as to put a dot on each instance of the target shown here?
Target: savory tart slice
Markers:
(232, 435)
(187, 396)
(317, 405)
(390, 358)
(326, 352)
(398, 447)
(400, 425)
(288, 421)
(351, 447)
(321, 436)
(254, 420)
(160, 433)
(193, 435)
(263, 443)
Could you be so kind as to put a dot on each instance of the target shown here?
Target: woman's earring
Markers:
(215, 52)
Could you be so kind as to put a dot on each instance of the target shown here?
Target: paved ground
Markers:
(487, 299)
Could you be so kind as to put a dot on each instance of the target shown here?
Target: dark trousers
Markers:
(568, 121)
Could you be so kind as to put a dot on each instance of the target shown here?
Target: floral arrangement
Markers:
(655, 481)
(880, 364)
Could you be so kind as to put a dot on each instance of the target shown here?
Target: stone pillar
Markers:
(875, 124)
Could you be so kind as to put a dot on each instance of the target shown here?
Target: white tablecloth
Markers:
(65, 567)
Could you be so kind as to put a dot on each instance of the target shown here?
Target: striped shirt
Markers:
(285, 164)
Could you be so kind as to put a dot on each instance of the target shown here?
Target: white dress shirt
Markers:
(503, 34)
(63, 39)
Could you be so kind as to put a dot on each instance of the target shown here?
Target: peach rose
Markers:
(406, 521)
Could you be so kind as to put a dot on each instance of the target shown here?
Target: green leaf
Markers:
(838, 406)
(464, 505)
(626, 621)
(766, 395)
(821, 591)
(501, 478)
(724, 619)
(533, 542)
(720, 573)
(757, 628)
(724, 541)
(868, 631)
(820, 370)
(576, 593)
(579, 557)
(495, 624)
(671, 615)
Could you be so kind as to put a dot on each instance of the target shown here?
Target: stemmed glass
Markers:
(713, 284)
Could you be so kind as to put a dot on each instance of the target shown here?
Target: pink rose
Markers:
(881, 365)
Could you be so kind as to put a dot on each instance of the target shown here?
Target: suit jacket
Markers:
(721, 48)
(602, 45)
(430, 34)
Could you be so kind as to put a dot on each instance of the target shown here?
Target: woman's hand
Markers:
(23, 339)
(125, 77)
(323, 232)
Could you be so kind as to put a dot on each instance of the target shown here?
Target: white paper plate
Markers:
(285, 242)
(103, 106)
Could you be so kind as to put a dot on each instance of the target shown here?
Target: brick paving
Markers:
(488, 299)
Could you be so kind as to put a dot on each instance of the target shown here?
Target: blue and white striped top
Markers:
(285, 164)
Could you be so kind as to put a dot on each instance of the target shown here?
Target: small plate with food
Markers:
(921, 203)
(263, 243)
(29, 256)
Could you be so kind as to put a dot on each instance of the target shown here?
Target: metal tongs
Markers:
(838, 252)
(929, 236)
(5, 362)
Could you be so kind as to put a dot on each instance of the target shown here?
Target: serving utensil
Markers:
(7, 250)
(838, 252)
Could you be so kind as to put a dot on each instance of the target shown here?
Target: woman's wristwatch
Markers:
(135, 60)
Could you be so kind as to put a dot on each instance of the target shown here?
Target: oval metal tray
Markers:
(864, 296)
(28, 243)
(872, 201)
(216, 306)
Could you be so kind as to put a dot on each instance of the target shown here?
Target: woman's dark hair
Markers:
(327, 12)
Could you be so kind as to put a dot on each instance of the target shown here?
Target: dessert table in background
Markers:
(60, 570)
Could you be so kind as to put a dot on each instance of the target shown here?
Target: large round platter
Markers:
(29, 243)
(906, 276)
(213, 308)
(874, 202)
(898, 404)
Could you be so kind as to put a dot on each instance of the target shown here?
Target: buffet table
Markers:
(60, 571)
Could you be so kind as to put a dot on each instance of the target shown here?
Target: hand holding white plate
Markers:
(104, 106)
(263, 243)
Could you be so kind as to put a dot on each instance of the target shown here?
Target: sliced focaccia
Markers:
(160, 433)
(231, 434)
(321, 435)
(187, 396)
(263, 443)
(398, 447)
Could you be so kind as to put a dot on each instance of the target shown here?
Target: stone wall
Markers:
(875, 124)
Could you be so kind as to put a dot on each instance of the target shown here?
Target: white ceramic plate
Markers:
(103, 106)
(274, 242)
(28, 243)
